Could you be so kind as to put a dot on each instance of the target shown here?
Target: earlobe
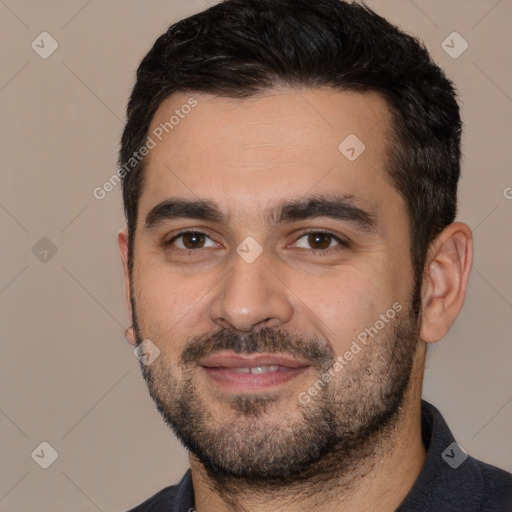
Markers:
(129, 335)
(122, 239)
(445, 281)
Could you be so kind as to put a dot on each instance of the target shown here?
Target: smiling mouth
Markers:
(256, 370)
(240, 373)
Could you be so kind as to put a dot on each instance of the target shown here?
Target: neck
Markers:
(380, 478)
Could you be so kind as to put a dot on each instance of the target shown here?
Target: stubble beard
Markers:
(264, 442)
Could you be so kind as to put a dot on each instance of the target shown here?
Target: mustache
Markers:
(267, 340)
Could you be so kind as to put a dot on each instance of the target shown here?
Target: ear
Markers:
(122, 240)
(449, 262)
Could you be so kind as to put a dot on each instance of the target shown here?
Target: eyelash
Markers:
(342, 243)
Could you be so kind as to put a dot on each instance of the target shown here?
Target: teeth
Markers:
(256, 369)
(264, 369)
(241, 370)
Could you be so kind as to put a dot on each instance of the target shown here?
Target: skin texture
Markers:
(357, 442)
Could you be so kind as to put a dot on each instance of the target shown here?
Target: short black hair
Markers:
(239, 48)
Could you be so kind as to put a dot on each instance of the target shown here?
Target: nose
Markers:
(251, 296)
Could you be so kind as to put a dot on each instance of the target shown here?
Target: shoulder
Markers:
(179, 496)
(159, 502)
(451, 480)
(497, 487)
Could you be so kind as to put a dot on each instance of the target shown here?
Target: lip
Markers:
(220, 369)
(231, 360)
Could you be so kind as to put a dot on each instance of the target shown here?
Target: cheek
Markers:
(341, 304)
(163, 315)
(163, 299)
(351, 299)
(171, 306)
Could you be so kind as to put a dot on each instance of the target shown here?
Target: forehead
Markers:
(283, 144)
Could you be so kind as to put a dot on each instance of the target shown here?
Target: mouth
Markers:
(246, 373)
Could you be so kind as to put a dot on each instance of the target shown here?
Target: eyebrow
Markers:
(183, 209)
(340, 207)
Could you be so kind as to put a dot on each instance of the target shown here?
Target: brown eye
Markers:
(319, 240)
(193, 240)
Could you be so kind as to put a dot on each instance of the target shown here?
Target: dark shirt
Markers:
(450, 480)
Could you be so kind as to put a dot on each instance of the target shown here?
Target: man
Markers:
(290, 175)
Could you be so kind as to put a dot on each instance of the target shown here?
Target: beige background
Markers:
(68, 376)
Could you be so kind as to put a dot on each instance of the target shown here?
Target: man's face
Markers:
(275, 240)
